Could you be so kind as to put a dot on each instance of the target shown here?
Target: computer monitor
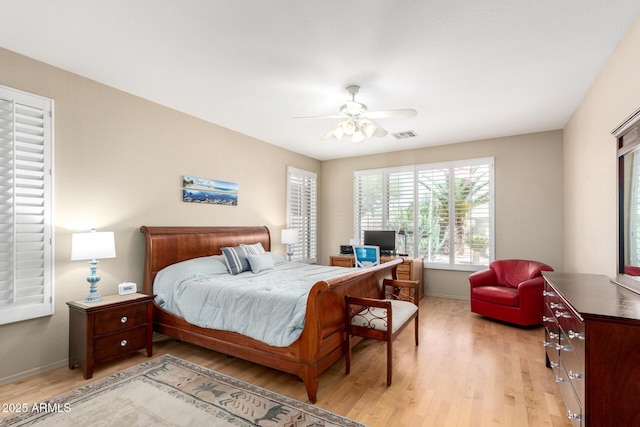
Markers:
(385, 239)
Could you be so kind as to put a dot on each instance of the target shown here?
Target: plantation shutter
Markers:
(26, 288)
(302, 194)
(369, 199)
(472, 211)
(401, 205)
(445, 210)
(434, 218)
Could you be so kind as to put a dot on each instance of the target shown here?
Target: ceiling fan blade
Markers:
(329, 116)
(391, 114)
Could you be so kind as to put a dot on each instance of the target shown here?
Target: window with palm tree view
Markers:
(442, 211)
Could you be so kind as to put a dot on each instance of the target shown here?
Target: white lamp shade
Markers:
(289, 236)
(93, 245)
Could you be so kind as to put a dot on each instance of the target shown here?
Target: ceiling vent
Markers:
(404, 135)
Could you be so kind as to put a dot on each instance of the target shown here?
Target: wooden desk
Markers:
(410, 269)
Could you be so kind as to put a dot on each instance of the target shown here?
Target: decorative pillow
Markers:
(260, 262)
(236, 259)
(254, 249)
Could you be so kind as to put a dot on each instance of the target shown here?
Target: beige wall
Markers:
(119, 162)
(590, 161)
(528, 205)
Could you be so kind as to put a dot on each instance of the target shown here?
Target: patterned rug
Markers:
(168, 391)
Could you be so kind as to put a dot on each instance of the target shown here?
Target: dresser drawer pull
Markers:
(573, 415)
(575, 376)
(553, 335)
(123, 319)
(553, 364)
(123, 343)
(548, 294)
(549, 319)
(563, 347)
(560, 379)
(554, 305)
(578, 335)
(564, 314)
(547, 344)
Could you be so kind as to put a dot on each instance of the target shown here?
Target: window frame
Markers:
(302, 213)
(379, 209)
(22, 133)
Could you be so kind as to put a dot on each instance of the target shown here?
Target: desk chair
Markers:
(382, 319)
(366, 256)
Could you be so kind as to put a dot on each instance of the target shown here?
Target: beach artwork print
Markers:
(203, 190)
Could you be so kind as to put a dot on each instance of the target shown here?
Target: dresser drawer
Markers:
(111, 346)
(121, 319)
(574, 368)
(574, 408)
(572, 328)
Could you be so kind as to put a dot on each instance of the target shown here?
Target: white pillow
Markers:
(260, 262)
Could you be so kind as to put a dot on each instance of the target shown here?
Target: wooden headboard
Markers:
(169, 245)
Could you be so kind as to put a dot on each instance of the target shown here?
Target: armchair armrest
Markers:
(482, 278)
(531, 288)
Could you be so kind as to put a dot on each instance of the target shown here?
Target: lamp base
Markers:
(93, 297)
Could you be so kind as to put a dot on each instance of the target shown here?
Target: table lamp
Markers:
(93, 246)
(289, 237)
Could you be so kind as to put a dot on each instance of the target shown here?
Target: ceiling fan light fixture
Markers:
(358, 136)
(348, 127)
(368, 127)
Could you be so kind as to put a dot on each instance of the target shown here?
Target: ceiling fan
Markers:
(358, 123)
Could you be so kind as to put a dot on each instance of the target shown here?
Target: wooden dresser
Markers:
(592, 342)
(410, 269)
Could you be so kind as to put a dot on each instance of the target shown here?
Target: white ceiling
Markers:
(472, 69)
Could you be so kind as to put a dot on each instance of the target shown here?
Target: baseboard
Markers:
(31, 372)
(437, 295)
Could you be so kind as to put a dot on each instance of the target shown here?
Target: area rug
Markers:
(168, 391)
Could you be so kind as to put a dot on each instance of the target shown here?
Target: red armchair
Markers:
(509, 290)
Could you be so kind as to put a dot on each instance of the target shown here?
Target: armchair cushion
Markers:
(504, 295)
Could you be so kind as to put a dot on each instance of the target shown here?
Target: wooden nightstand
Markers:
(117, 326)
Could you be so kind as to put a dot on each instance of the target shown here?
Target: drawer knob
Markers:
(573, 334)
(123, 343)
(553, 364)
(553, 335)
(575, 375)
(548, 293)
(564, 314)
(123, 319)
(563, 347)
(560, 379)
(573, 415)
(547, 344)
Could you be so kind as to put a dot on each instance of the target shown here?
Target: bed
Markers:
(321, 342)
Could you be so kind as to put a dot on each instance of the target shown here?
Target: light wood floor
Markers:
(467, 371)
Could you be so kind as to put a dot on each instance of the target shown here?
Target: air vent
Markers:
(404, 135)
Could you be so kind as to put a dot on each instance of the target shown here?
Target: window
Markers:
(26, 260)
(302, 208)
(441, 211)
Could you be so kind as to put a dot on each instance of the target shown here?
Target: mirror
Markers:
(628, 138)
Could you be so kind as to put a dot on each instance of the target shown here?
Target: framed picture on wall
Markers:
(211, 191)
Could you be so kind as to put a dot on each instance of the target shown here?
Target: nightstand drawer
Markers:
(121, 319)
(122, 343)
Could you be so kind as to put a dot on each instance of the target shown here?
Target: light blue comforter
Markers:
(268, 306)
